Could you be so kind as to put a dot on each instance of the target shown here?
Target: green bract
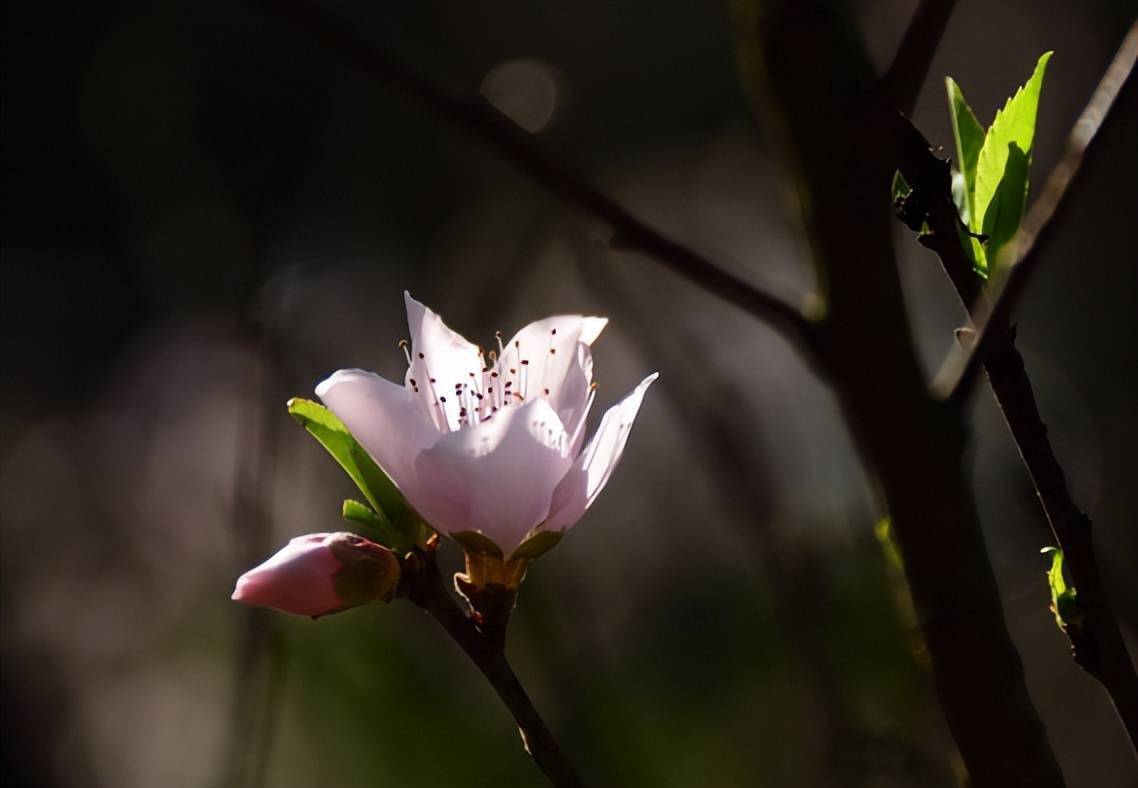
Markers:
(990, 186)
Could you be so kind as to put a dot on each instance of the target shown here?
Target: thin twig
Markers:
(479, 118)
(1019, 258)
(910, 65)
(1096, 640)
(425, 588)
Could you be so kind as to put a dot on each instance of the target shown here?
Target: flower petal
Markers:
(559, 360)
(441, 360)
(387, 419)
(589, 475)
(496, 477)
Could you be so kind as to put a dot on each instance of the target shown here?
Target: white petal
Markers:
(385, 418)
(589, 475)
(497, 477)
(444, 356)
(560, 361)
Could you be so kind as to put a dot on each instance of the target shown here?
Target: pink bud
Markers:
(318, 574)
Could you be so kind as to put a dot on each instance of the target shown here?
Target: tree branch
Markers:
(1019, 258)
(479, 118)
(906, 75)
(1096, 640)
(815, 90)
(424, 586)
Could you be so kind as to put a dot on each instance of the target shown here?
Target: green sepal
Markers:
(1064, 597)
(477, 542)
(536, 544)
(378, 489)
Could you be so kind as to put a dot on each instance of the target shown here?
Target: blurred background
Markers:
(207, 211)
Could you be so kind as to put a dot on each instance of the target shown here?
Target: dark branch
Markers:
(910, 65)
(1019, 258)
(1096, 641)
(424, 586)
(477, 117)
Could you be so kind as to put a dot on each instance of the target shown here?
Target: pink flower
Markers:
(318, 574)
(489, 442)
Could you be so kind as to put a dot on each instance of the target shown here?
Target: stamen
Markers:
(403, 343)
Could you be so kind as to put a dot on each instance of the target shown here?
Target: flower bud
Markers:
(318, 574)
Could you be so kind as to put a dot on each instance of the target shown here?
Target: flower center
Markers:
(462, 393)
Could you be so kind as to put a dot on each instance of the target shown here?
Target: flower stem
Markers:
(487, 653)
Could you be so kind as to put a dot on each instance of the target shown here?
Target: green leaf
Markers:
(379, 490)
(1005, 212)
(375, 524)
(537, 544)
(1001, 167)
(1064, 598)
(969, 137)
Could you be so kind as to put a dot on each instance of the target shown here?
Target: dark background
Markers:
(206, 211)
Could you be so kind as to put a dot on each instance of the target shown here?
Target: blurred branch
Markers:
(1019, 258)
(477, 117)
(730, 442)
(424, 586)
(910, 65)
(1096, 640)
(258, 662)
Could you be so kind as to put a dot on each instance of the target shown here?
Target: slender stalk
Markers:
(426, 589)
